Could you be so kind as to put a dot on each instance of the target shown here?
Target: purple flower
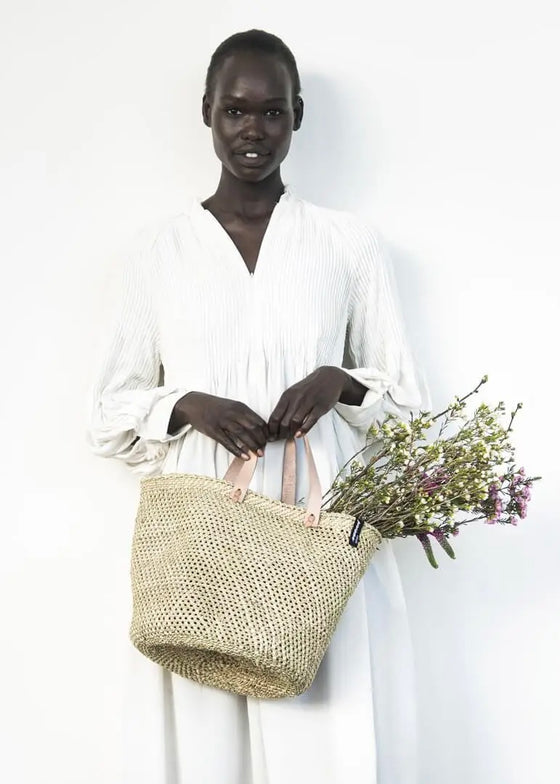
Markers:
(495, 498)
(520, 493)
(432, 483)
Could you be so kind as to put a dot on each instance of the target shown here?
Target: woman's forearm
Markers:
(179, 416)
(353, 392)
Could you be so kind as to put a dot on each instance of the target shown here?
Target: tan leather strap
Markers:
(313, 514)
(289, 473)
(240, 473)
(289, 481)
(234, 468)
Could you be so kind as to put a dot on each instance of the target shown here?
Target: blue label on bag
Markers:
(355, 532)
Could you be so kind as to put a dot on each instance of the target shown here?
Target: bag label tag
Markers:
(355, 532)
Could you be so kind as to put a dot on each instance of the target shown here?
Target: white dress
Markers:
(322, 294)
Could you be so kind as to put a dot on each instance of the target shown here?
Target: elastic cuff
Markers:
(155, 424)
(362, 416)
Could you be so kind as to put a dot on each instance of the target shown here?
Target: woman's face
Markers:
(252, 114)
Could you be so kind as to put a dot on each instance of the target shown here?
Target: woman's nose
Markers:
(253, 127)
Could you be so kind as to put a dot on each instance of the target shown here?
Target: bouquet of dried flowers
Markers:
(413, 487)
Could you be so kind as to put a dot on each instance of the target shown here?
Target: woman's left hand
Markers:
(302, 404)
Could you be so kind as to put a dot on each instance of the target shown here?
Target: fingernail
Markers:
(245, 456)
(298, 434)
(260, 453)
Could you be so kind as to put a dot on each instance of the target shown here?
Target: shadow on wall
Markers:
(333, 162)
(422, 323)
(333, 156)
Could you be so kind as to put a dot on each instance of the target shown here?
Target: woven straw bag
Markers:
(237, 590)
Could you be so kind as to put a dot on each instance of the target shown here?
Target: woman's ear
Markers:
(206, 109)
(298, 113)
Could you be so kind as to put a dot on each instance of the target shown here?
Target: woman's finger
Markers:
(254, 425)
(226, 440)
(249, 418)
(276, 417)
(311, 419)
(258, 429)
(247, 438)
(295, 416)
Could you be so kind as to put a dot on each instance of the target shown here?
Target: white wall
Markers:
(439, 122)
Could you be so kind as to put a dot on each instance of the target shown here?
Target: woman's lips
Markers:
(251, 151)
(252, 158)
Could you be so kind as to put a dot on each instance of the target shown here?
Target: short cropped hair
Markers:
(257, 41)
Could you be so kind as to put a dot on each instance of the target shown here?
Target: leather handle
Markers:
(240, 474)
(313, 514)
(289, 473)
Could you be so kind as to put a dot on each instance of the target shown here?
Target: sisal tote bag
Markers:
(237, 590)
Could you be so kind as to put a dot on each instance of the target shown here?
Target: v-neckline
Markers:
(228, 241)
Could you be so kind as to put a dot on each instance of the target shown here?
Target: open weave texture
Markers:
(239, 596)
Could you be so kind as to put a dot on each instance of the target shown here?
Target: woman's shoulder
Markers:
(345, 226)
(154, 237)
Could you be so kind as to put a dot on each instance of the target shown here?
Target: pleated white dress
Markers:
(322, 294)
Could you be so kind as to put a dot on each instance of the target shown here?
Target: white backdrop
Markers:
(439, 122)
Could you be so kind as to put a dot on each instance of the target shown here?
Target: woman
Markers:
(270, 317)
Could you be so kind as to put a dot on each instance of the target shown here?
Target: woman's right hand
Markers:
(229, 422)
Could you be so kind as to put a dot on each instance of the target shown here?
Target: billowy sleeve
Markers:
(128, 410)
(377, 352)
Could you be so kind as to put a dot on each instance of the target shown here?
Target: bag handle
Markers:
(288, 472)
(240, 473)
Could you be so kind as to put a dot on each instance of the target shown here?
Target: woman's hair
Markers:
(257, 41)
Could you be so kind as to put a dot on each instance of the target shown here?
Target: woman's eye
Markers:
(274, 112)
(233, 111)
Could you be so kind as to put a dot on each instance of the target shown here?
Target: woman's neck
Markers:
(246, 199)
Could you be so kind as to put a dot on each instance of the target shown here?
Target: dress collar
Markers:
(196, 201)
